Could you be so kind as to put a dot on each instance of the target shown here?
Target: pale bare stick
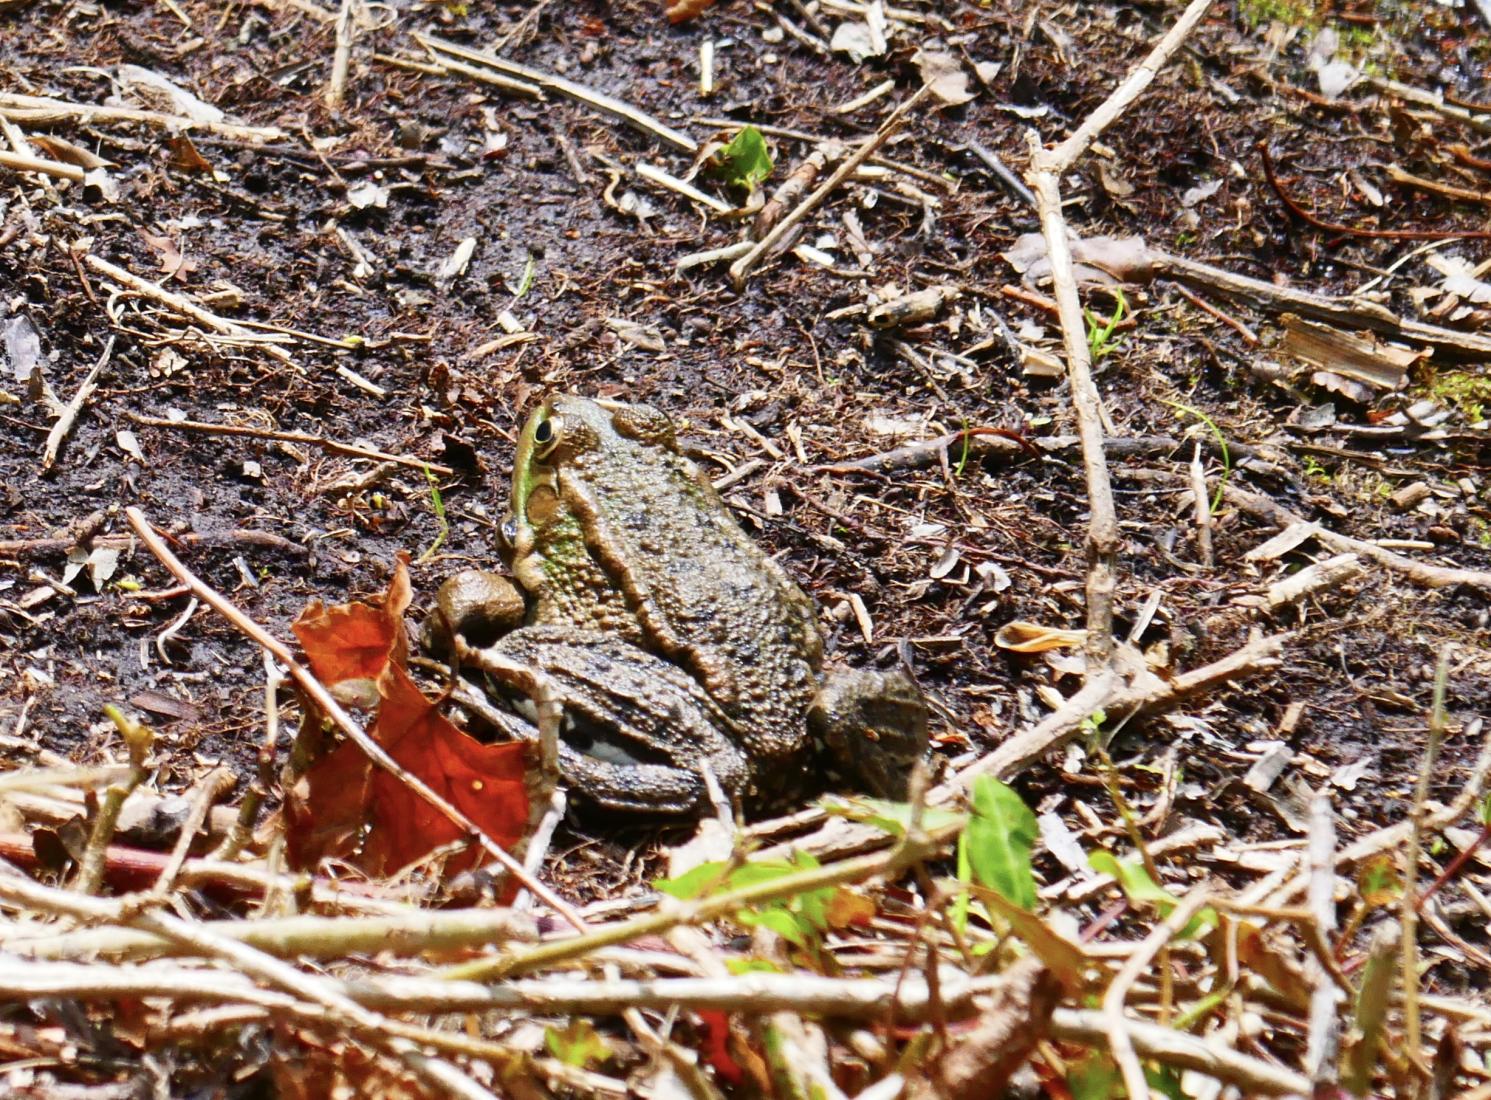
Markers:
(634, 117)
(41, 109)
(1253, 1076)
(1061, 158)
(1201, 507)
(1271, 511)
(55, 168)
(344, 721)
(1044, 177)
(445, 1077)
(341, 58)
(1116, 1024)
(69, 414)
(1102, 523)
(742, 267)
(305, 438)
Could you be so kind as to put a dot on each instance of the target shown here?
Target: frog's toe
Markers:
(873, 725)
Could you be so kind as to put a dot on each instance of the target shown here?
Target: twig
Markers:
(1356, 312)
(1408, 913)
(442, 1076)
(341, 59)
(742, 267)
(1298, 211)
(304, 438)
(41, 109)
(1046, 169)
(344, 721)
(1253, 1076)
(1409, 94)
(212, 787)
(56, 168)
(634, 117)
(899, 167)
(414, 931)
(1201, 506)
(138, 740)
(69, 415)
(1324, 1037)
(910, 850)
(1116, 1025)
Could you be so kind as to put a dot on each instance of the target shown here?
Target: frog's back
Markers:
(703, 592)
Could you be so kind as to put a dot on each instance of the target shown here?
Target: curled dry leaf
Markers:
(681, 11)
(945, 74)
(1023, 637)
(344, 805)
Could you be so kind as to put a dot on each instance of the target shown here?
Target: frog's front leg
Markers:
(872, 725)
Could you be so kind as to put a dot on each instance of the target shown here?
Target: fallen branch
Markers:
(742, 267)
(303, 438)
(43, 110)
(329, 706)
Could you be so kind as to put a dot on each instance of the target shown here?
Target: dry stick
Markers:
(1202, 508)
(1115, 1023)
(369, 1025)
(1268, 510)
(742, 267)
(41, 109)
(550, 82)
(1392, 837)
(69, 414)
(1358, 312)
(1324, 1035)
(341, 58)
(304, 438)
(1253, 1076)
(214, 786)
(1046, 168)
(1408, 913)
(412, 932)
(344, 721)
(916, 845)
(56, 168)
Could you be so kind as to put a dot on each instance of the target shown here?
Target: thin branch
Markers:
(344, 721)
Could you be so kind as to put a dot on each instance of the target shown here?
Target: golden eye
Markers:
(546, 436)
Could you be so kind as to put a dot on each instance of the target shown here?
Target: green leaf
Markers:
(891, 818)
(694, 883)
(1000, 839)
(1139, 888)
(1094, 1078)
(579, 1044)
(787, 925)
(745, 162)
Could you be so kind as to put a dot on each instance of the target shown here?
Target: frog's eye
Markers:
(546, 434)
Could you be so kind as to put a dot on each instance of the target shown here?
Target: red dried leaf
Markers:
(716, 1046)
(346, 806)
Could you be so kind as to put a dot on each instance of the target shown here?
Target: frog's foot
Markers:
(873, 727)
(474, 605)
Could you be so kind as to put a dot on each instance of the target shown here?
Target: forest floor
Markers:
(410, 271)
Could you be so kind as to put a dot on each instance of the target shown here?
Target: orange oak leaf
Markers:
(344, 805)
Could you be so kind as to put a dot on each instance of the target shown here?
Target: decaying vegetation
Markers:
(1119, 370)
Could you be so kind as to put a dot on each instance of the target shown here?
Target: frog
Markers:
(674, 643)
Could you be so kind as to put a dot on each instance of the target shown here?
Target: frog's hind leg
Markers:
(871, 726)
(632, 787)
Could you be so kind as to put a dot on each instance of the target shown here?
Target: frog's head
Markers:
(569, 434)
